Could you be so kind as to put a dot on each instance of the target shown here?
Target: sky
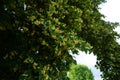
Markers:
(112, 12)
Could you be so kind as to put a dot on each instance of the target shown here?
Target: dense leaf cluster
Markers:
(80, 72)
(35, 36)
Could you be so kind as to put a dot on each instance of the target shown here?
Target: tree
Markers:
(80, 72)
(106, 48)
(35, 36)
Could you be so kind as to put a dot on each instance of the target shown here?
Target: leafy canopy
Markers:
(35, 36)
(80, 72)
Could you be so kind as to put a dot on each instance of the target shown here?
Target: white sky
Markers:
(112, 12)
(90, 61)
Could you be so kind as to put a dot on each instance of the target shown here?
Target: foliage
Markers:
(80, 72)
(35, 36)
(102, 37)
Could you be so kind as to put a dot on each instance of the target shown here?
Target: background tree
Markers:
(80, 72)
(35, 36)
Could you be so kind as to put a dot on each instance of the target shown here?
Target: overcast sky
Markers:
(111, 10)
